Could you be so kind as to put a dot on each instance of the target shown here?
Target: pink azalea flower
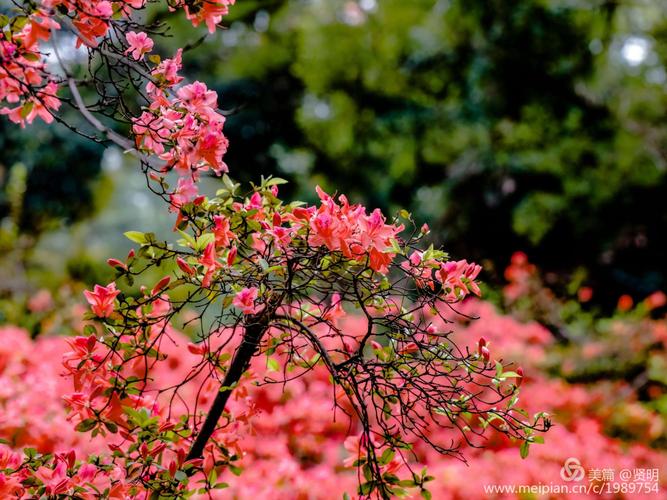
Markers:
(210, 13)
(209, 260)
(245, 300)
(140, 44)
(222, 231)
(186, 191)
(197, 98)
(55, 480)
(101, 299)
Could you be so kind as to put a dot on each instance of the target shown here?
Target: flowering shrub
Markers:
(622, 355)
(24, 78)
(293, 445)
(284, 276)
(257, 278)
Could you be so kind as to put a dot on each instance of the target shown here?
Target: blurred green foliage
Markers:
(49, 179)
(55, 170)
(508, 124)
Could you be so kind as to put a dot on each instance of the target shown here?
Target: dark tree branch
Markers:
(254, 331)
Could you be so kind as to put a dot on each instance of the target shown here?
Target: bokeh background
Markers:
(527, 133)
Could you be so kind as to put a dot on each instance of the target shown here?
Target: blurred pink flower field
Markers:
(293, 447)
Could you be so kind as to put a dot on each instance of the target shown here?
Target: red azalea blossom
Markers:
(101, 299)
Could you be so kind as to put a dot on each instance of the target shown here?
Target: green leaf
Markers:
(26, 109)
(275, 181)
(272, 365)
(366, 488)
(274, 269)
(229, 183)
(136, 236)
(86, 425)
(499, 369)
(188, 239)
(387, 456)
(408, 483)
(212, 476)
(204, 240)
(524, 449)
(32, 57)
(111, 427)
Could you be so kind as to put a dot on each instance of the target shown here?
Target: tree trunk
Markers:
(254, 332)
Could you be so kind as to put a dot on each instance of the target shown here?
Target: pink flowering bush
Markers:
(323, 338)
(256, 278)
(26, 82)
(621, 354)
(289, 443)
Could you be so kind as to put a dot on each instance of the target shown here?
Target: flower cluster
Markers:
(278, 232)
(457, 278)
(24, 81)
(351, 230)
(184, 129)
(205, 11)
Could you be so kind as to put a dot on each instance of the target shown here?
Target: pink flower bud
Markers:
(184, 266)
(656, 300)
(585, 294)
(301, 213)
(485, 353)
(231, 256)
(481, 343)
(158, 449)
(410, 348)
(160, 285)
(415, 258)
(90, 343)
(166, 426)
(116, 263)
(71, 459)
(197, 348)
